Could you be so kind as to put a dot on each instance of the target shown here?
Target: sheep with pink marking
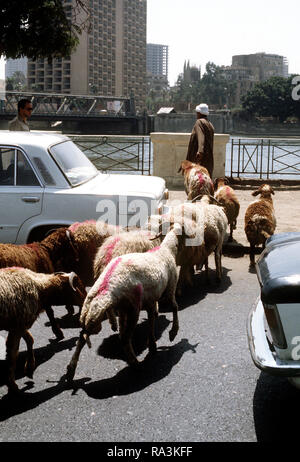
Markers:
(88, 236)
(197, 181)
(227, 198)
(121, 244)
(128, 284)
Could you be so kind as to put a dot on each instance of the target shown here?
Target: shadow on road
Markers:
(276, 407)
(201, 288)
(111, 346)
(127, 381)
(42, 355)
(130, 380)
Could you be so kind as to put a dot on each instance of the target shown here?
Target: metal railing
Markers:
(265, 158)
(117, 153)
(58, 104)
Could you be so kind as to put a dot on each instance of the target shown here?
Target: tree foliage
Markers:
(40, 28)
(212, 89)
(16, 82)
(272, 98)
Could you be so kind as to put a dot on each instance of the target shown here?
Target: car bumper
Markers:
(262, 355)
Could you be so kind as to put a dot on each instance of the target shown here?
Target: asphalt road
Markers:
(202, 387)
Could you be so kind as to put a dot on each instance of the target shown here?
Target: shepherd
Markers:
(201, 144)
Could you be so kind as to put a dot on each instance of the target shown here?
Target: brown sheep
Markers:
(54, 253)
(260, 221)
(226, 196)
(197, 181)
(87, 237)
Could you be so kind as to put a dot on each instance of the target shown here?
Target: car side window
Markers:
(25, 174)
(15, 169)
(7, 166)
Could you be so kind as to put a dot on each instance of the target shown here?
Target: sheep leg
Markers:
(30, 362)
(152, 314)
(231, 227)
(54, 324)
(218, 263)
(186, 274)
(71, 368)
(70, 309)
(175, 324)
(206, 268)
(12, 349)
(252, 253)
(111, 315)
(128, 322)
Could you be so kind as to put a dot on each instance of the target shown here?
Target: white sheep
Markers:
(128, 284)
(260, 220)
(24, 294)
(121, 244)
(206, 225)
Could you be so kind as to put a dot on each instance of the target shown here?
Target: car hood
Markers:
(124, 185)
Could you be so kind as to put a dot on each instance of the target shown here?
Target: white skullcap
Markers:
(202, 108)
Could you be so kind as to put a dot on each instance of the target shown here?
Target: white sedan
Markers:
(46, 181)
(274, 321)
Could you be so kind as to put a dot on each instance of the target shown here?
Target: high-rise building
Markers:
(110, 59)
(247, 70)
(157, 59)
(15, 65)
(262, 65)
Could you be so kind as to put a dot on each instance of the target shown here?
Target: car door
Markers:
(21, 193)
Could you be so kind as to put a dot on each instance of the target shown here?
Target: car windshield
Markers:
(73, 163)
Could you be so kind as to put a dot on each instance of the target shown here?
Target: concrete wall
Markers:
(169, 149)
(184, 122)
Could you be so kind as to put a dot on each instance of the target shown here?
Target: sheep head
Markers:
(265, 190)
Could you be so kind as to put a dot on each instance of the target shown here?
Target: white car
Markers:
(274, 321)
(46, 181)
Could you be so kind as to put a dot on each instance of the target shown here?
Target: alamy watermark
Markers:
(296, 89)
(138, 213)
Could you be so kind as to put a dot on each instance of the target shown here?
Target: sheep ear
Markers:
(256, 192)
(215, 183)
(184, 165)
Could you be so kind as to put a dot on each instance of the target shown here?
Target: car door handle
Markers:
(30, 199)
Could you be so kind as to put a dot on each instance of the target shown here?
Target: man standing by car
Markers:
(201, 144)
(19, 123)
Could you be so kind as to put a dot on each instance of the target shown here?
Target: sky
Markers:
(215, 30)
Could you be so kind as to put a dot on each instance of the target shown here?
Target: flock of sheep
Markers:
(127, 270)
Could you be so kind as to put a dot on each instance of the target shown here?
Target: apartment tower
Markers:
(110, 59)
(157, 59)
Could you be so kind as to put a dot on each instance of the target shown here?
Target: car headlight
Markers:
(274, 323)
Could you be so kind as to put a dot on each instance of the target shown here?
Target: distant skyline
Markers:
(200, 32)
(215, 31)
